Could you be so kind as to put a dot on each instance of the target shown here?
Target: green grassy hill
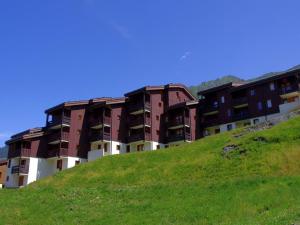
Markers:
(257, 183)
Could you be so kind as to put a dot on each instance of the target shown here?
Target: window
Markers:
(157, 132)
(229, 113)
(128, 148)
(259, 106)
(157, 146)
(7, 178)
(177, 94)
(217, 131)
(59, 164)
(167, 146)
(272, 86)
(255, 121)
(105, 147)
(99, 147)
(229, 127)
(223, 99)
(9, 162)
(77, 162)
(140, 148)
(118, 147)
(269, 104)
(157, 117)
(23, 162)
(0, 175)
(159, 104)
(79, 117)
(252, 92)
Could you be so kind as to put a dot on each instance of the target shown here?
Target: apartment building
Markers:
(107, 131)
(235, 105)
(146, 109)
(81, 131)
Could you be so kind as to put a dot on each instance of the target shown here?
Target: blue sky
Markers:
(57, 50)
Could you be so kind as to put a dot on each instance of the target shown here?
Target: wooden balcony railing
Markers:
(209, 107)
(23, 169)
(179, 137)
(288, 89)
(179, 121)
(100, 121)
(139, 120)
(239, 101)
(241, 116)
(138, 106)
(59, 121)
(22, 152)
(100, 137)
(59, 152)
(139, 137)
(58, 136)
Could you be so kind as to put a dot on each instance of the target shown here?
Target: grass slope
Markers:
(193, 184)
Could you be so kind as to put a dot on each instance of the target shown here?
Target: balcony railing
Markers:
(288, 89)
(139, 137)
(138, 106)
(141, 120)
(179, 121)
(100, 121)
(206, 108)
(57, 152)
(100, 137)
(21, 152)
(239, 101)
(179, 137)
(58, 136)
(59, 121)
(23, 169)
(241, 116)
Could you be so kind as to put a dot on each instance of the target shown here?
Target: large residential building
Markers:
(81, 131)
(149, 118)
(234, 105)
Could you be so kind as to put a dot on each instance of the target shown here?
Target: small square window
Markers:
(229, 127)
(157, 117)
(223, 99)
(99, 146)
(259, 106)
(159, 104)
(118, 147)
(128, 148)
(77, 162)
(255, 121)
(269, 103)
(272, 86)
(252, 92)
(157, 146)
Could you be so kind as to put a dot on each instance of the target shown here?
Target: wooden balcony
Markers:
(209, 108)
(139, 137)
(241, 116)
(62, 121)
(139, 121)
(239, 102)
(288, 89)
(136, 107)
(22, 152)
(59, 152)
(20, 169)
(57, 137)
(181, 121)
(99, 122)
(99, 136)
(180, 137)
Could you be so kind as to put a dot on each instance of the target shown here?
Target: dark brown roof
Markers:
(161, 87)
(218, 88)
(28, 134)
(67, 104)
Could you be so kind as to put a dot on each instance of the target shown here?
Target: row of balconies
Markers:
(20, 169)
